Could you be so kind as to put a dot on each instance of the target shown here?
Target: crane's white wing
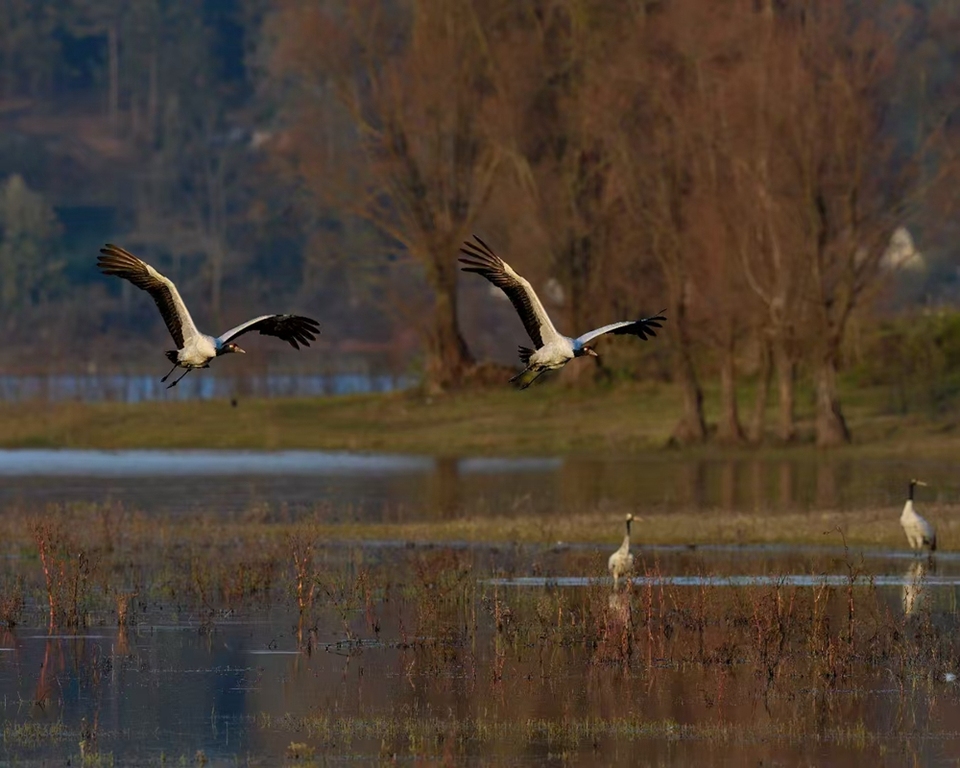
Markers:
(643, 328)
(114, 260)
(294, 329)
(480, 259)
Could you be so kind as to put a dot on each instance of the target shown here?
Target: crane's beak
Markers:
(237, 349)
(591, 352)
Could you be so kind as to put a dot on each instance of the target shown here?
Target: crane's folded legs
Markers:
(522, 376)
(174, 383)
(168, 375)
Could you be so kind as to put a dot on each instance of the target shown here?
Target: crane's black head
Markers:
(629, 520)
(228, 348)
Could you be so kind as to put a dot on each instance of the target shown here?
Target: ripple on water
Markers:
(752, 580)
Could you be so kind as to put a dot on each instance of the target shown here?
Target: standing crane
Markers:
(621, 561)
(552, 349)
(195, 349)
(919, 532)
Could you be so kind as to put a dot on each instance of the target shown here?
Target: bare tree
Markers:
(655, 179)
(653, 138)
(848, 188)
(413, 82)
(551, 61)
(762, 234)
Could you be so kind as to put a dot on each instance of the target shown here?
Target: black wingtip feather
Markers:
(479, 256)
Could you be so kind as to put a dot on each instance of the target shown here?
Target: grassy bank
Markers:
(131, 532)
(548, 420)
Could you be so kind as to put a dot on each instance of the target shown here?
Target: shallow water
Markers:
(402, 488)
(209, 385)
(470, 653)
(390, 677)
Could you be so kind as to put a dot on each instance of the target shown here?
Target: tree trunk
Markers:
(786, 370)
(448, 354)
(758, 418)
(113, 77)
(691, 428)
(830, 425)
(729, 430)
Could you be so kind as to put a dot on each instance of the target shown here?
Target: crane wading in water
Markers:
(552, 350)
(919, 532)
(195, 349)
(621, 561)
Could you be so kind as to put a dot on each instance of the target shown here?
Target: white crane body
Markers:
(620, 562)
(196, 349)
(552, 350)
(920, 533)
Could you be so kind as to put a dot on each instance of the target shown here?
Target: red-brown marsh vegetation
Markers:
(426, 655)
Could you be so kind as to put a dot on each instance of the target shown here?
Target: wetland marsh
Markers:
(312, 609)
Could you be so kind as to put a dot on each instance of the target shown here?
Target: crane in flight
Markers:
(552, 350)
(196, 349)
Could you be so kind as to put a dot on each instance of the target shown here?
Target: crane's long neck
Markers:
(910, 492)
(626, 539)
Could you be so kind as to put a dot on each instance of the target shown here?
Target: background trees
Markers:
(742, 164)
(28, 230)
(413, 84)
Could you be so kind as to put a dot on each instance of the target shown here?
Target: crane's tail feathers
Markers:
(525, 353)
(172, 355)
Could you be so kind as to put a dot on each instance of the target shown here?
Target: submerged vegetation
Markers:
(426, 657)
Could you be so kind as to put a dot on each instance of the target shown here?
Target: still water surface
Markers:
(392, 679)
(417, 487)
(133, 388)
(493, 655)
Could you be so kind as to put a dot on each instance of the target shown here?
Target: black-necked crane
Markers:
(621, 561)
(919, 532)
(552, 350)
(196, 349)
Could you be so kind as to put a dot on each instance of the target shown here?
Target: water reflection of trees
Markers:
(735, 484)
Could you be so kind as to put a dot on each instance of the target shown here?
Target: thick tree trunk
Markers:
(449, 357)
(786, 376)
(729, 429)
(758, 419)
(691, 428)
(830, 425)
